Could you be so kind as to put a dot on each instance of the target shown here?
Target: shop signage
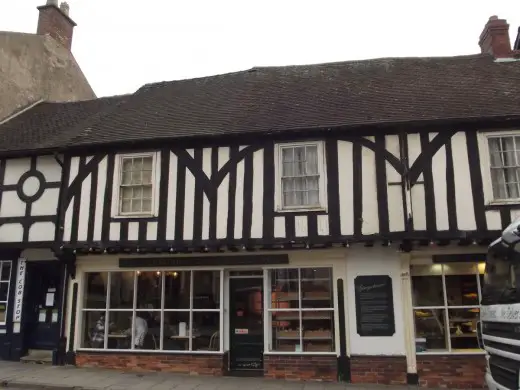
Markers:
(374, 305)
(154, 262)
(19, 288)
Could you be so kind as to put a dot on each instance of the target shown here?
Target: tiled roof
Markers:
(276, 99)
(50, 125)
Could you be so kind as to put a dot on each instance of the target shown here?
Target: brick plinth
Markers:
(452, 371)
(386, 370)
(301, 367)
(205, 364)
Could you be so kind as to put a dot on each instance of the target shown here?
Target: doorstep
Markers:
(20, 375)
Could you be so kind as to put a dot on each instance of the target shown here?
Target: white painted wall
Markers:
(375, 261)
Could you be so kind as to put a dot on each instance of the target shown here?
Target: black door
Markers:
(42, 304)
(246, 324)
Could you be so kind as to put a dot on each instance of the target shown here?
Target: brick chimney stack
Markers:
(55, 21)
(494, 39)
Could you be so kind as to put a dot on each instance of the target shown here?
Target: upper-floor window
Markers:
(301, 172)
(136, 185)
(5, 278)
(504, 154)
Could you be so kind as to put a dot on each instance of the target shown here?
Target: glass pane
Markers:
(147, 177)
(147, 205)
(120, 330)
(147, 329)
(126, 178)
(463, 328)
(147, 163)
(122, 290)
(462, 290)
(137, 192)
(287, 154)
(137, 164)
(126, 206)
(318, 331)
(136, 206)
(316, 288)
(206, 333)
(284, 286)
(3, 307)
(95, 290)
(427, 285)
(430, 330)
(177, 290)
(6, 271)
(149, 290)
(127, 164)
(147, 192)
(136, 177)
(93, 329)
(4, 289)
(206, 289)
(176, 331)
(126, 192)
(285, 332)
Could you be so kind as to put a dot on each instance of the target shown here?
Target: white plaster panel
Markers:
(41, 231)
(374, 261)
(11, 232)
(11, 205)
(258, 194)
(14, 168)
(47, 204)
(49, 167)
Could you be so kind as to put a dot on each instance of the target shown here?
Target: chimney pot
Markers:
(55, 22)
(64, 7)
(494, 39)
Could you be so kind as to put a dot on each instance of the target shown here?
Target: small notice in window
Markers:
(241, 331)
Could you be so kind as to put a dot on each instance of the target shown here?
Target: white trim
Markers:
(140, 351)
(483, 146)
(322, 170)
(20, 112)
(501, 340)
(8, 281)
(116, 186)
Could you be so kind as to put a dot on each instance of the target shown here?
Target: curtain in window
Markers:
(300, 176)
(504, 167)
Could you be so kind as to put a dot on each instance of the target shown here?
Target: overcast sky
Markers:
(123, 44)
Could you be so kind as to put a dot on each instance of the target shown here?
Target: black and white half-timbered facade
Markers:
(321, 222)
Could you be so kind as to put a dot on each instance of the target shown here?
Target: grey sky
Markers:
(123, 44)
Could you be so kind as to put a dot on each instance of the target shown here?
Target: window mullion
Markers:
(134, 306)
(190, 326)
(446, 314)
(161, 327)
(107, 310)
(300, 307)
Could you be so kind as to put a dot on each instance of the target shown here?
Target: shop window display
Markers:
(152, 310)
(446, 306)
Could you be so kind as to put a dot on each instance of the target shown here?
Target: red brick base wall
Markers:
(386, 370)
(455, 371)
(185, 364)
(305, 368)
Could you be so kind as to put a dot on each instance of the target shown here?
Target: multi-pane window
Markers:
(302, 310)
(152, 310)
(5, 276)
(504, 154)
(446, 306)
(300, 176)
(136, 189)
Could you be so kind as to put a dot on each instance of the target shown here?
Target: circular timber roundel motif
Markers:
(30, 187)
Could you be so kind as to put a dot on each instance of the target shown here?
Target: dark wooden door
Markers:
(246, 324)
(43, 303)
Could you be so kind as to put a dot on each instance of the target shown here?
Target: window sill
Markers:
(308, 353)
(133, 218)
(147, 351)
(500, 204)
(318, 209)
(426, 353)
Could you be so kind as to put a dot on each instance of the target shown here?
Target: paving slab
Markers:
(35, 376)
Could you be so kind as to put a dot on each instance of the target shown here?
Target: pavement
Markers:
(14, 375)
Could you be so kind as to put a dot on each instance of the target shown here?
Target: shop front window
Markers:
(5, 276)
(302, 310)
(446, 306)
(152, 310)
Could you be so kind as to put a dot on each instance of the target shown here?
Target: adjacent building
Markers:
(35, 69)
(317, 222)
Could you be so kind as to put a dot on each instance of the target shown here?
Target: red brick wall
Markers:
(185, 364)
(387, 370)
(306, 368)
(52, 21)
(455, 371)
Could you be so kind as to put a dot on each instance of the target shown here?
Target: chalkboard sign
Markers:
(374, 305)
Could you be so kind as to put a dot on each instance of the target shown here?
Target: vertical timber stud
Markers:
(408, 320)
(343, 360)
